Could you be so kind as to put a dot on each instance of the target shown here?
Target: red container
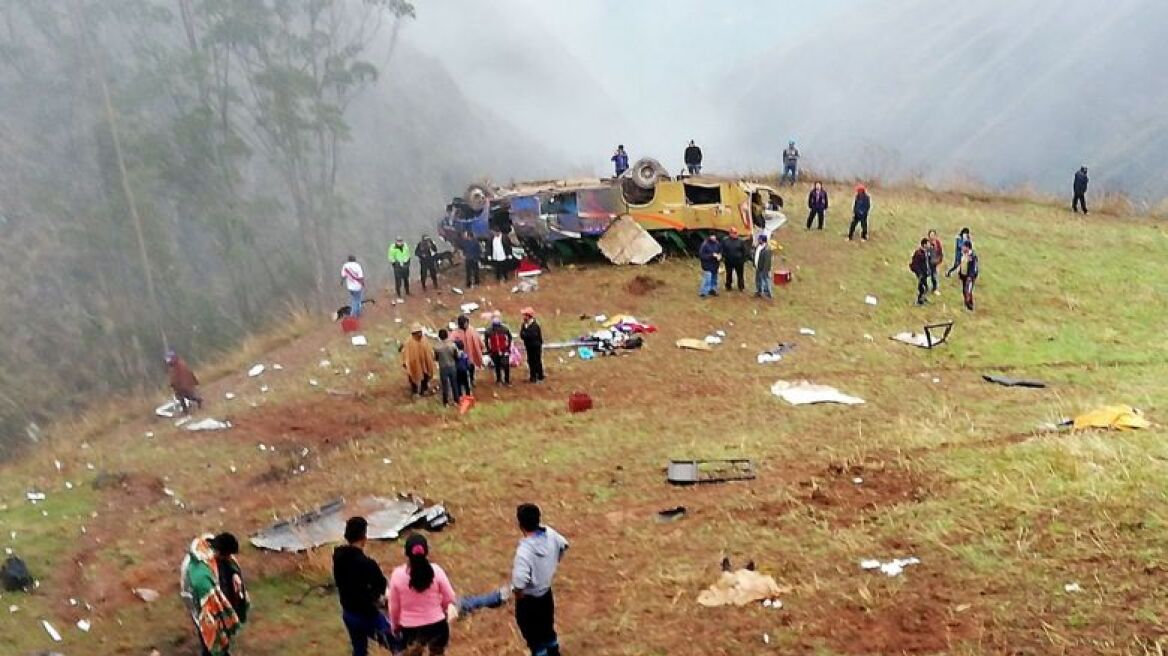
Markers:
(782, 277)
(579, 402)
(350, 325)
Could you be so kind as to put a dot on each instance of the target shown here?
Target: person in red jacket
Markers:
(920, 266)
(499, 339)
(183, 382)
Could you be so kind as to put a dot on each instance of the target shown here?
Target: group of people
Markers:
(399, 256)
(818, 203)
(733, 250)
(408, 613)
(692, 156)
(929, 257)
(461, 352)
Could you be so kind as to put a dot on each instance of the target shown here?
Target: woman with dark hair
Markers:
(419, 593)
(964, 237)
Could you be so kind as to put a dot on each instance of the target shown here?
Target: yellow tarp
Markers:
(1118, 417)
(694, 344)
(739, 588)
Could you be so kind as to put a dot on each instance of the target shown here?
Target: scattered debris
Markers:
(526, 285)
(600, 318)
(739, 588)
(278, 367)
(146, 594)
(14, 575)
(170, 409)
(870, 299)
(264, 389)
(313, 382)
(805, 393)
(671, 514)
(806, 331)
(387, 519)
(51, 631)
(693, 344)
(627, 242)
(688, 472)
(255, 371)
(34, 496)
(934, 334)
(890, 568)
(713, 339)
(1116, 417)
(359, 340)
(1013, 382)
(776, 354)
(456, 290)
(229, 396)
(207, 424)
(1073, 587)
(579, 401)
(83, 625)
(467, 308)
(324, 364)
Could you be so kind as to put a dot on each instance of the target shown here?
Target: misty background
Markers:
(185, 173)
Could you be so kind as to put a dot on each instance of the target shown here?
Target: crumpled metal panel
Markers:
(387, 518)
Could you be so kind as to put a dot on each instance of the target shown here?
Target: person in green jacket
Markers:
(399, 258)
(218, 612)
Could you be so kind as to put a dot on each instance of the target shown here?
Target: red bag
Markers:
(579, 402)
(350, 325)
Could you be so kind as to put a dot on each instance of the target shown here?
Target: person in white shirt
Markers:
(353, 278)
(501, 255)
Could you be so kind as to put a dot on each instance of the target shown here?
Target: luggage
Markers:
(782, 276)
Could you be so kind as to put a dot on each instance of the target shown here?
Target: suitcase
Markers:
(782, 277)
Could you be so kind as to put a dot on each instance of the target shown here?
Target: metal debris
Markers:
(207, 424)
(687, 472)
(146, 594)
(387, 519)
(51, 631)
(255, 370)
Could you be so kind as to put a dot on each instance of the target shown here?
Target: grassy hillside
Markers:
(952, 469)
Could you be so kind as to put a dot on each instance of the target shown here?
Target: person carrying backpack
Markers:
(499, 348)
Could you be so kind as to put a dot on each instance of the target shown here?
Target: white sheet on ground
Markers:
(805, 393)
(913, 339)
(208, 424)
(170, 409)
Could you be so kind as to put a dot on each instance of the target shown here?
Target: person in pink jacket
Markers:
(419, 593)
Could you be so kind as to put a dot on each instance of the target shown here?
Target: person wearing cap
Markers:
(498, 338)
(710, 256)
(816, 204)
(183, 382)
(620, 160)
(790, 162)
(1080, 191)
(763, 257)
(427, 254)
(419, 361)
(693, 158)
(734, 255)
(532, 336)
(860, 208)
(537, 558)
(447, 355)
(399, 259)
(361, 587)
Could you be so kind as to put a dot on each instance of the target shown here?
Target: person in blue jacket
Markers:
(710, 255)
(962, 238)
(620, 160)
(472, 253)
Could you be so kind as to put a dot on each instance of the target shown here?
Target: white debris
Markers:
(467, 308)
(149, 435)
(68, 485)
(325, 364)
(868, 337)
(857, 480)
(600, 318)
(35, 496)
(313, 382)
(264, 389)
(169, 410)
(720, 333)
(207, 424)
(1073, 587)
(386, 461)
(870, 299)
(255, 371)
(397, 320)
(146, 594)
(13, 608)
(278, 367)
(263, 447)
(766, 358)
(168, 492)
(181, 422)
(936, 380)
(57, 464)
(83, 625)
(229, 396)
(359, 340)
(51, 631)
(806, 331)
(713, 339)
(803, 393)
(72, 602)
(456, 290)
(890, 568)
(766, 638)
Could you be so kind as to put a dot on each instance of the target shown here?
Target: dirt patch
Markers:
(129, 491)
(331, 420)
(641, 285)
(852, 492)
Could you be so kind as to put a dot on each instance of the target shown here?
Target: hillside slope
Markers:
(937, 464)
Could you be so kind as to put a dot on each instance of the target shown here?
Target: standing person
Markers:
(399, 259)
(970, 269)
(959, 242)
(790, 162)
(763, 258)
(710, 256)
(499, 348)
(1080, 189)
(472, 254)
(936, 258)
(860, 208)
(472, 343)
(816, 204)
(226, 548)
(536, 559)
(447, 356)
(464, 370)
(217, 621)
(183, 382)
(502, 252)
(427, 254)
(620, 161)
(361, 587)
(919, 265)
(418, 360)
(734, 255)
(353, 277)
(693, 158)
(532, 336)
(419, 593)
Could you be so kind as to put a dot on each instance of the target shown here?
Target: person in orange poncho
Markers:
(183, 382)
(472, 343)
(418, 361)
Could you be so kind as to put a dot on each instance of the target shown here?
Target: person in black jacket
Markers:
(734, 255)
(361, 587)
(860, 208)
(693, 158)
(427, 254)
(1080, 189)
(532, 336)
(762, 268)
(817, 204)
(919, 265)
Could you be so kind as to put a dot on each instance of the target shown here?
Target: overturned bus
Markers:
(569, 216)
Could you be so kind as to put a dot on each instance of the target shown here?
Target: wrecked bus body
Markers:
(569, 216)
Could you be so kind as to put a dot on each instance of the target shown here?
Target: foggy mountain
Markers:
(999, 91)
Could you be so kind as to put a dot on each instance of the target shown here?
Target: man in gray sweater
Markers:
(446, 353)
(536, 559)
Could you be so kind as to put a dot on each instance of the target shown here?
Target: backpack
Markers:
(14, 575)
(497, 342)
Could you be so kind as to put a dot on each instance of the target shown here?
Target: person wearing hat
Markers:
(1080, 191)
(790, 162)
(183, 382)
(860, 209)
(734, 255)
(763, 257)
(532, 336)
(419, 361)
(427, 254)
(498, 338)
(399, 259)
(447, 354)
(710, 256)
